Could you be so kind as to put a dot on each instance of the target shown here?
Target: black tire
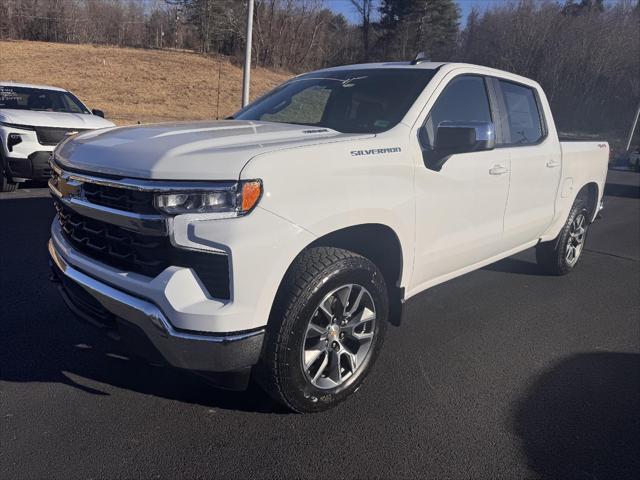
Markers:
(315, 274)
(552, 256)
(5, 184)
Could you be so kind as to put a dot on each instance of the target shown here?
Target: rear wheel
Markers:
(560, 256)
(326, 330)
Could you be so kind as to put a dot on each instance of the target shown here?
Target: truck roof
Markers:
(432, 66)
(363, 66)
(30, 85)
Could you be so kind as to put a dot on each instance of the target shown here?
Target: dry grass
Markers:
(133, 85)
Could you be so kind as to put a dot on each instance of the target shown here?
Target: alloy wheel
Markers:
(339, 336)
(575, 244)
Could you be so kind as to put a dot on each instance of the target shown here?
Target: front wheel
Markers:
(6, 185)
(560, 256)
(326, 329)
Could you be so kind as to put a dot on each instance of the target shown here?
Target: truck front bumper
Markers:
(146, 330)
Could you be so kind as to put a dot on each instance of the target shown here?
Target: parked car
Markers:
(33, 119)
(634, 158)
(285, 239)
(627, 160)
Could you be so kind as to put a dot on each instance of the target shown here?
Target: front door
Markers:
(459, 209)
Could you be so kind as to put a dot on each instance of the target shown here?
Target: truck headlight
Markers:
(230, 201)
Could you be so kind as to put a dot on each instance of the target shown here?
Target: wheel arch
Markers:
(377, 242)
(591, 191)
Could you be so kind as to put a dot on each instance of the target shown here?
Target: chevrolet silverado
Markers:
(281, 241)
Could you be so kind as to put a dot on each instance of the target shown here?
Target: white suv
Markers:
(33, 120)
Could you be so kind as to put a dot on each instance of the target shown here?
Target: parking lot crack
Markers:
(624, 257)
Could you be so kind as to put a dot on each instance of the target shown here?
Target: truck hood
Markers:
(209, 150)
(34, 118)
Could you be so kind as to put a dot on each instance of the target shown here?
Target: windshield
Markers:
(24, 98)
(350, 101)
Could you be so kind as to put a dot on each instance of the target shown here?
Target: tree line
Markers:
(585, 53)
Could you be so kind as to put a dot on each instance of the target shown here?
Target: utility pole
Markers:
(175, 39)
(246, 77)
(633, 129)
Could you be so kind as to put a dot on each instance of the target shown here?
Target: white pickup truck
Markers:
(284, 239)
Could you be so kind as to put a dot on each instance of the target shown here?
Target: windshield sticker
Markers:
(375, 151)
(7, 93)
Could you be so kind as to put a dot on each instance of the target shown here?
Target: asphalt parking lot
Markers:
(502, 373)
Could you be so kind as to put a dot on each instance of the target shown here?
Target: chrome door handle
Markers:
(498, 170)
(553, 164)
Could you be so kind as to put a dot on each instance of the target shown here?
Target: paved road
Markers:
(503, 373)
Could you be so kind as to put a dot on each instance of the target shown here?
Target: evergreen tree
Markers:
(411, 26)
(585, 6)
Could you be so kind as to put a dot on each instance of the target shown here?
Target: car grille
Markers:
(119, 198)
(53, 136)
(146, 255)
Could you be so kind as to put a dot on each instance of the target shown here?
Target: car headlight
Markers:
(12, 140)
(232, 200)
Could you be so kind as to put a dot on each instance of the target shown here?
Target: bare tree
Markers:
(586, 54)
(588, 60)
(364, 8)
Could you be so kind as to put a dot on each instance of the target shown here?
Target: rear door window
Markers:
(523, 125)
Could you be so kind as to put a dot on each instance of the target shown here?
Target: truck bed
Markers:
(585, 162)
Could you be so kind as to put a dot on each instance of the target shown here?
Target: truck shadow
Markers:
(41, 341)
(581, 419)
(515, 265)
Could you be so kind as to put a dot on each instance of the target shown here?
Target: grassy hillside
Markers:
(133, 85)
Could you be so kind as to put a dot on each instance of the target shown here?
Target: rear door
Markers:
(535, 162)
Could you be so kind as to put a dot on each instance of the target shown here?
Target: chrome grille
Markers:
(133, 252)
(113, 245)
(135, 201)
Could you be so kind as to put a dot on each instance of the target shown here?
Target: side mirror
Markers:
(97, 112)
(458, 137)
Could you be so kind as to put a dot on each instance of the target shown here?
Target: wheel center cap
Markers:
(334, 330)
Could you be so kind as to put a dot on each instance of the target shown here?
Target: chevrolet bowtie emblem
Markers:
(68, 187)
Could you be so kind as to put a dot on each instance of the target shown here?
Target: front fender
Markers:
(325, 188)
